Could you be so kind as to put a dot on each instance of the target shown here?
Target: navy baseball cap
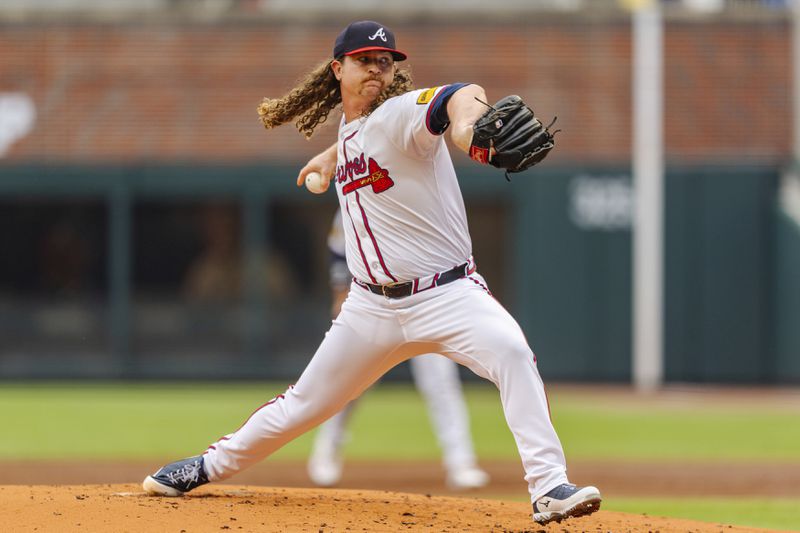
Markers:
(363, 36)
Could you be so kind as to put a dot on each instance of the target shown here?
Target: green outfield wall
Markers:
(103, 271)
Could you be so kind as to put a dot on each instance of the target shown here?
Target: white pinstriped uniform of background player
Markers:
(416, 289)
(436, 378)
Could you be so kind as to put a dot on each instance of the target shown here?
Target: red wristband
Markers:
(481, 155)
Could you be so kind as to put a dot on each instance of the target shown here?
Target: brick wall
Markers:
(164, 92)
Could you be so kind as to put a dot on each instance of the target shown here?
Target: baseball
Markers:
(314, 183)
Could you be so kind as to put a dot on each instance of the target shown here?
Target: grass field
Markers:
(126, 421)
(779, 513)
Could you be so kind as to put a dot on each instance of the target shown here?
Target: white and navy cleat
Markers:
(566, 501)
(176, 479)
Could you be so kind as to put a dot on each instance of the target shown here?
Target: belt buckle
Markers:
(389, 286)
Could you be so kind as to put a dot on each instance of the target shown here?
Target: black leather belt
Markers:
(401, 290)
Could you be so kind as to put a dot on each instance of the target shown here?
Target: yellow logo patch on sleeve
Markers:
(426, 96)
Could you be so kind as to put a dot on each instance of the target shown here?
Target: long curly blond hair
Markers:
(316, 96)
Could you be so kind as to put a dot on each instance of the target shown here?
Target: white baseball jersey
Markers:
(403, 213)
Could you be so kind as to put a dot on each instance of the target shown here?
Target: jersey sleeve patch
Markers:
(437, 120)
(426, 95)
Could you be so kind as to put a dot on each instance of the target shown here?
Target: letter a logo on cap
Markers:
(380, 34)
(363, 36)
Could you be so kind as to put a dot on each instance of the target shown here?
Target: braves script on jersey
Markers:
(404, 216)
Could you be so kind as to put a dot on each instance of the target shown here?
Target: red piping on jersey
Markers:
(344, 148)
(485, 288)
(481, 285)
(358, 242)
(353, 222)
(428, 113)
(371, 236)
(275, 399)
(434, 281)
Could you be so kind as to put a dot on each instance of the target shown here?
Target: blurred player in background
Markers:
(435, 376)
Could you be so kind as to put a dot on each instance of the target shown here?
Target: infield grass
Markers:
(130, 421)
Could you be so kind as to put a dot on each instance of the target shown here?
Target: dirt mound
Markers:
(614, 478)
(119, 508)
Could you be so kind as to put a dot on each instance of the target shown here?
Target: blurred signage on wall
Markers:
(601, 203)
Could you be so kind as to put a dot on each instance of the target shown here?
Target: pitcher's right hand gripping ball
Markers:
(518, 138)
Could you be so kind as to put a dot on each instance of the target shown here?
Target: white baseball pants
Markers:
(436, 377)
(460, 320)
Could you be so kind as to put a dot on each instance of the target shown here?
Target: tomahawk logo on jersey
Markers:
(378, 177)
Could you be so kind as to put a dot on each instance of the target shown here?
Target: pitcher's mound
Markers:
(228, 508)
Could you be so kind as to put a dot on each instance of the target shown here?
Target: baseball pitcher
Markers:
(415, 286)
